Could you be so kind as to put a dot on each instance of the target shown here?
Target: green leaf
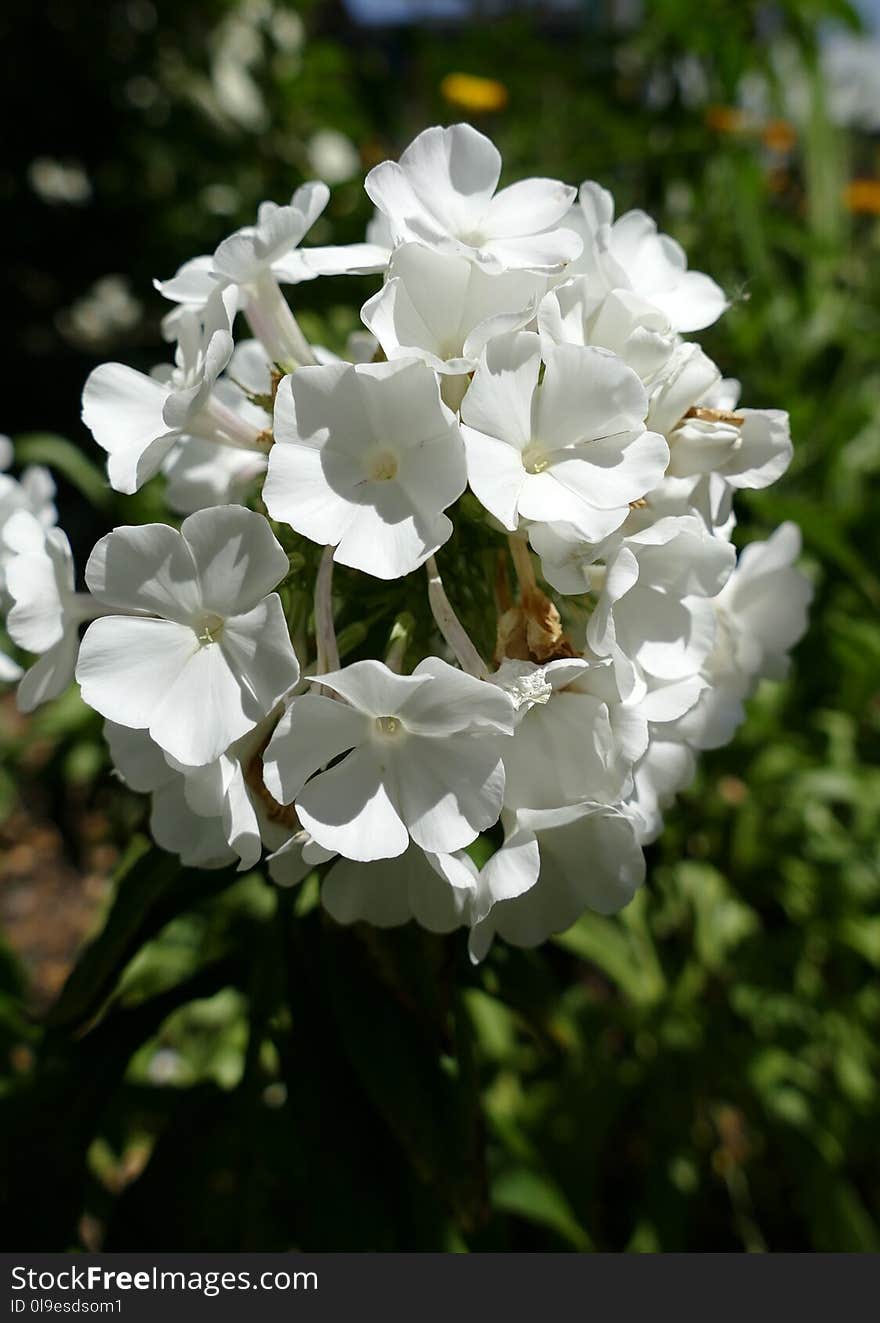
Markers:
(535, 1197)
(622, 948)
(68, 460)
(721, 921)
(841, 1222)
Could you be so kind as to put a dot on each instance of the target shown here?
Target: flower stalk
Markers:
(450, 626)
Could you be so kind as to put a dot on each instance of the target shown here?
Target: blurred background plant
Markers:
(226, 1069)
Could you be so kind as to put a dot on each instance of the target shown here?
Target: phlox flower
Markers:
(553, 866)
(200, 473)
(654, 614)
(208, 653)
(442, 194)
(630, 253)
(572, 448)
(667, 768)
(230, 791)
(445, 309)
(137, 418)
(525, 345)
(573, 740)
(46, 610)
(422, 759)
(272, 246)
(619, 320)
(191, 288)
(761, 613)
(709, 435)
(33, 492)
(366, 459)
(140, 764)
(437, 890)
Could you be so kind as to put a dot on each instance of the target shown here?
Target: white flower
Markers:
(568, 563)
(333, 156)
(761, 614)
(654, 612)
(33, 492)
(270, 250)
(10, 671)
(296, 858)
(200, 842)
(46, 611)
(228, 791)
(573, 448)
(211, 654)
(211, 816)
(707, 433)
(619, 320)
(674, 553)
(751, 451)
(688, 376)
(629, 253)
(765, 603)
(422, 759)
(568, 745)
(200, 473)
(366, 459)
(588, 428)
(192, 287)
(441, 193)
(138, 419)
(667, 768)
(435, 890)
(347, 259)
(272, 245)
(589, 856)
(444, 309)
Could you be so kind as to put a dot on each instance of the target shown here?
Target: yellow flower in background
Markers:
(727, 119)
(862, 197)
(779, 135)
(776, 134)
(473, 93)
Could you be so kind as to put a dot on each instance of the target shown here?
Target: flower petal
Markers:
(127, 665)
(348, 809)
(499, 399)
(313, 731)
(528, 207)
(147, 567)
(237, 557)
(122, 409)
(447, 791)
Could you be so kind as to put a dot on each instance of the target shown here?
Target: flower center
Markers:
(383, 466)
(209, 630)
(389, 726)
(535, 458)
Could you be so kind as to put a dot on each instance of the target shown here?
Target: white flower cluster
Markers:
(522, 379)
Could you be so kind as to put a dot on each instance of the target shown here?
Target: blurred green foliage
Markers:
(228, 1069)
